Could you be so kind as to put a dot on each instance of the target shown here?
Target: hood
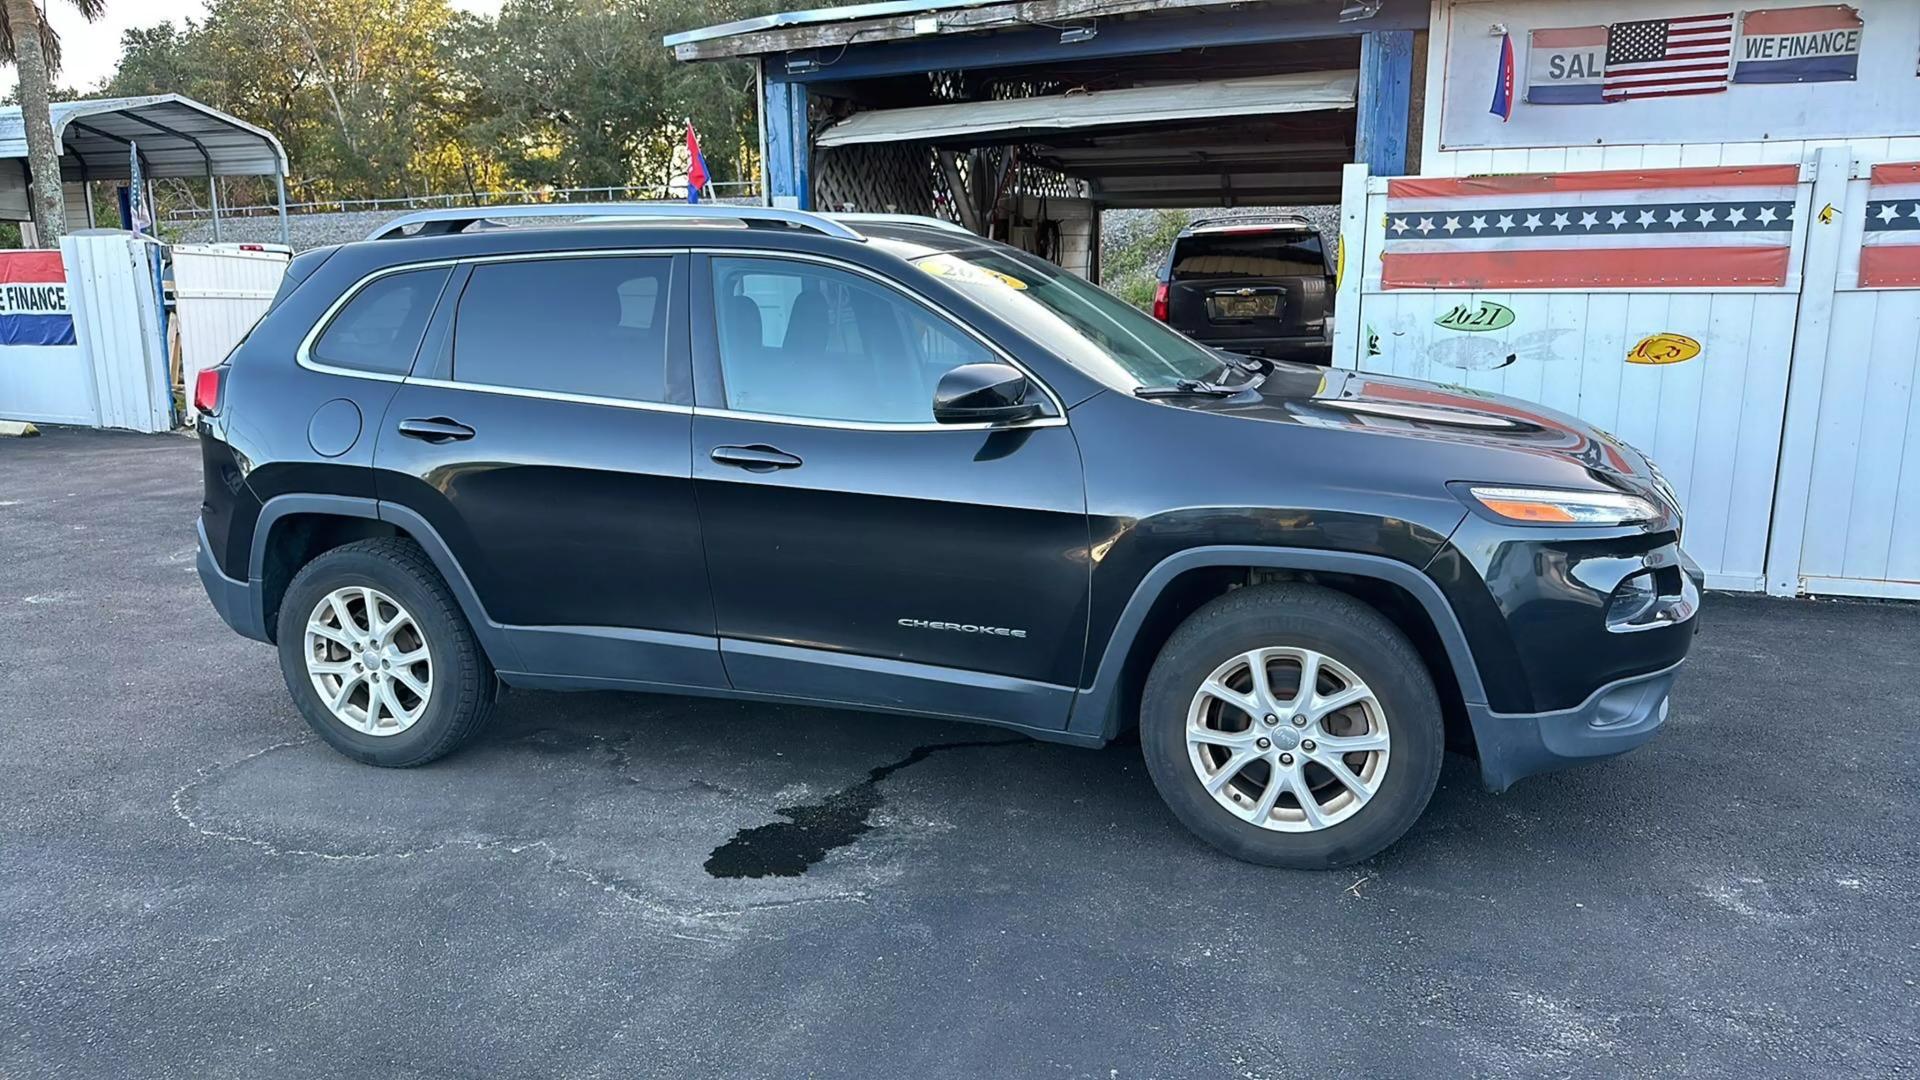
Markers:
(1411, 409)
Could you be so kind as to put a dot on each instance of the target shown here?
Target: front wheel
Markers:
(1292, 725)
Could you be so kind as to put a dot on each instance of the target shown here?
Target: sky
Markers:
(90, 51)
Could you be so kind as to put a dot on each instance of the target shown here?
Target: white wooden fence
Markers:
(219, 292)
(1771, 386)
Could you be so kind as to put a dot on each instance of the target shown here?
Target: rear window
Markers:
(380, 328)
(1268, 253)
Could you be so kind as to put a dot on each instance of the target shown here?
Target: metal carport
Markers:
(949, 105)
(175, 136)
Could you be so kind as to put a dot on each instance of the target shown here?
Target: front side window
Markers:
(805, 340)
(1097, 332)
(589, 326)
(379, 330)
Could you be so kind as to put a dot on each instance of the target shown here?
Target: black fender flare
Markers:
(1095, 710)
(493, 637)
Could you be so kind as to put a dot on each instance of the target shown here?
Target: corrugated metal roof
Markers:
(843, 13)
(171, 131)
(1265, 95)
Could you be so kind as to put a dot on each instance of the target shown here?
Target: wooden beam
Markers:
(1386, 102)
(901, 27)
(787, 180)
(962, 198)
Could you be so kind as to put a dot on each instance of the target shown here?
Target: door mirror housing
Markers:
(984, 394)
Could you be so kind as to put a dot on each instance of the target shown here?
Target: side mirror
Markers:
(983, 394)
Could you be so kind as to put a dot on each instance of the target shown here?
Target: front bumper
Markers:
(1624, 711)
(1617, 718)
(238, 602)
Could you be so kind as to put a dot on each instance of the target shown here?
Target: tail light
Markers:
(1160, 301)
(206, 389)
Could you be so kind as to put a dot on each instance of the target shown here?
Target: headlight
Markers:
(1553, 506)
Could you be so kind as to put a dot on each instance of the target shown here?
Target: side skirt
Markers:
(602, 659)
(521, 680)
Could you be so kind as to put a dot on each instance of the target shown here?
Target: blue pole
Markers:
(783, 108)
(1386, 101)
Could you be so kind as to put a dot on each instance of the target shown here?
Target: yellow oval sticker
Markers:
(1664, 349)
(965, 273)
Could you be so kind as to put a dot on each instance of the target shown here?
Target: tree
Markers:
(30, 45)
(580, 93)
(354, 89)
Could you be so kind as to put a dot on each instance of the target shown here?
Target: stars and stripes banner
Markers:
(33, 299)
(1653, 228)
(1890, 244)
(1565, 66)
(1804, 44)
(1668, 57)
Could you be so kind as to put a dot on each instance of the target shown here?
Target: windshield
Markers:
(1100, 334)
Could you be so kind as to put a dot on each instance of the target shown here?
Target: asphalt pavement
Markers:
(612, 885)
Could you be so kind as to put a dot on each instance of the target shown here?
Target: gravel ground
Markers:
(191, 886)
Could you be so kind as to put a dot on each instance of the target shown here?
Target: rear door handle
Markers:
(436, 429)
(756, 458)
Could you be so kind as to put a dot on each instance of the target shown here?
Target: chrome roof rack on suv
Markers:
(453, 219)
(1250, 220)
(902, 219)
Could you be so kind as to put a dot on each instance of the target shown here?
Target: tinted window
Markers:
(1265, 253)
(575, 326)
(379, 329)
(799, 339)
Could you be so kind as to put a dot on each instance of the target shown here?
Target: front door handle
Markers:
(757, 458)
(437, 429)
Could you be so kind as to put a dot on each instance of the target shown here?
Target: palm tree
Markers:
(30, 45)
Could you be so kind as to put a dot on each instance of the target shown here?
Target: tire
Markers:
(452, 667)
(1296, 621)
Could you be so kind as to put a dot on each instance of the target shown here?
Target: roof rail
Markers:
(901, 219)
(453, 219)
(1251, 219)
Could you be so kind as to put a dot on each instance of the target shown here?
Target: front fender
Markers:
(1096, 710)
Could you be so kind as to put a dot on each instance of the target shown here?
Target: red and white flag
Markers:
(1890, 244)
(1668, 57)
(1643, 228)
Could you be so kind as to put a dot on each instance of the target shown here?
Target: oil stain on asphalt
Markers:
(788, 848)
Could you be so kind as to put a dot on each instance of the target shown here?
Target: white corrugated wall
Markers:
(116, 323)
(219, 291)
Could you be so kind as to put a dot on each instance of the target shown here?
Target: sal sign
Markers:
(33, 299)
(1566, 67)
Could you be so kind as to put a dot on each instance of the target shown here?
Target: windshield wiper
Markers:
(1189, 388)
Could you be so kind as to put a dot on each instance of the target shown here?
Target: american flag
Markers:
(1668, 57)
(1639, 228)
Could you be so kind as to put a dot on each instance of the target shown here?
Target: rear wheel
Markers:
(1292, 725)
(378, 656)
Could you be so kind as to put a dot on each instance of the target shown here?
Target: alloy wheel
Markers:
(368, 660)
(1288, 739)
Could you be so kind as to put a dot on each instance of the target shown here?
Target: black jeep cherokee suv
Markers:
(885, 464)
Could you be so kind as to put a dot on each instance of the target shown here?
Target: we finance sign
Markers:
(1806, 44)
(33, 299)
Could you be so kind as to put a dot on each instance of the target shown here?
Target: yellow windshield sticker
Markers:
(966, 273)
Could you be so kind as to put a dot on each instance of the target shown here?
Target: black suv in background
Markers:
(885, 464)
(1259, 285)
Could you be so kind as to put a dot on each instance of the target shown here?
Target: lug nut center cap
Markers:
(1286, 739)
